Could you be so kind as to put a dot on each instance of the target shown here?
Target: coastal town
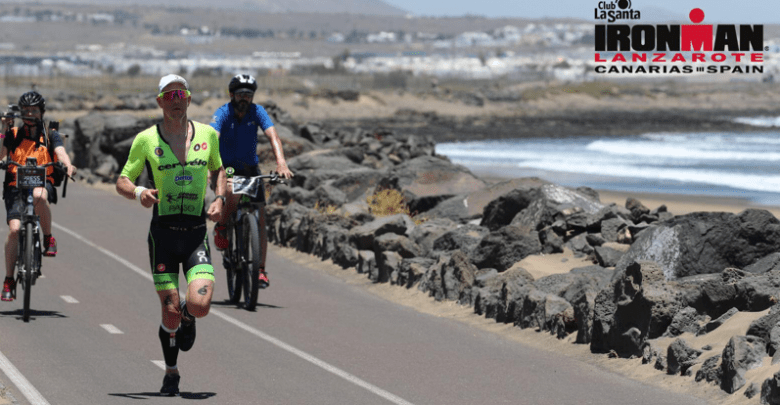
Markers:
(523, 50)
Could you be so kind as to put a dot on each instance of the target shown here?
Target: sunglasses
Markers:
(174, 94)
(244, 94)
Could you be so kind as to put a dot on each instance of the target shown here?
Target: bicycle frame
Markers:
(28, 261)
(244, 251)
(29, 217)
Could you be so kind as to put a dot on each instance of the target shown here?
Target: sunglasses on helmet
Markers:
(174, 94)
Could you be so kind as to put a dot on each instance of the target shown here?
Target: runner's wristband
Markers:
(138, 191)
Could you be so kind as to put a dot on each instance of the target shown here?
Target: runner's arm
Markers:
(126, 189)
(216, 171)
(215, 209)
(133, 168)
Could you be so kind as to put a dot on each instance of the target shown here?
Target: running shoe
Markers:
(220, 237)
(263, 278)
(50, 246)
(170, 384)
(186, 333)
(9, 289)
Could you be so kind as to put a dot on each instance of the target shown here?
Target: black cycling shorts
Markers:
(168, 248)
(14, 205)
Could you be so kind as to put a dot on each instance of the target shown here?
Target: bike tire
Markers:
(251, 237)
(28, 252)
(233, 274)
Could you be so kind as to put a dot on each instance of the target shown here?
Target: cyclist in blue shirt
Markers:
(237, 123)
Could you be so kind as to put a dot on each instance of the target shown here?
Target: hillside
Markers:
(366, 7)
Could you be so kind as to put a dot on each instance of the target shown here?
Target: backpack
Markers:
(57, 175)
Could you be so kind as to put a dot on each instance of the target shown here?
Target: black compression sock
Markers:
(169, 347)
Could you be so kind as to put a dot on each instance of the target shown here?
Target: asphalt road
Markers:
(314, 339)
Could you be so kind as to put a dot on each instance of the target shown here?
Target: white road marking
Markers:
(69, 299)
(270, 339)
(111, 329)
(24, 386)
(159, 363)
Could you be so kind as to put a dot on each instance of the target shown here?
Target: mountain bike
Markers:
(28, 260)
(242, 257)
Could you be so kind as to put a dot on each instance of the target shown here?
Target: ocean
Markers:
(741, 165)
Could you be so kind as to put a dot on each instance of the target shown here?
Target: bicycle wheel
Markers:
(28, 269)
(232, 269)
(251, 241)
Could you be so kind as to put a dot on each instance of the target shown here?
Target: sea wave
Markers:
(753, 182)
(764, 122)
(714, 163)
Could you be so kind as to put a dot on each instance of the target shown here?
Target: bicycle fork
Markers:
(35, 267)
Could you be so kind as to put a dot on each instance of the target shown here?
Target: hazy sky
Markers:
(716, 11)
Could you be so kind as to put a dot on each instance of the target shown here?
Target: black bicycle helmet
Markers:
(242, 82)
(33, 98)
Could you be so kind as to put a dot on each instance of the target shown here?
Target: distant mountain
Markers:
(367, 7)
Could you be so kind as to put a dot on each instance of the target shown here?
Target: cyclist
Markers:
(19, 143)
(237, 123)
(178, 155)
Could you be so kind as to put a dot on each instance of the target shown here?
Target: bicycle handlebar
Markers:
(272, 178)
(57, 166)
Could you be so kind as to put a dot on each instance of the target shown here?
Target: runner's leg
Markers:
(171, 316)
(200, 279)
(165, 272)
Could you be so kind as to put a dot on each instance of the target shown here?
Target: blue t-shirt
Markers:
(238, 140)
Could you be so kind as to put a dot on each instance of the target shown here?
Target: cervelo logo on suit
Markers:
(196, 162)
(677, 49)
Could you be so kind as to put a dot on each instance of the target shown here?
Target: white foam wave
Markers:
(699, 151)
(751, 182)
(765, 122)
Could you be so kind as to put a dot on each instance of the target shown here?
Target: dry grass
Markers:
(388, 202)
(325, 209)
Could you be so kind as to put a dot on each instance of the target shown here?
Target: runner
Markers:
(178, 154)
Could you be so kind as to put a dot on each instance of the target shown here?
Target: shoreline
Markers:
(677, 204)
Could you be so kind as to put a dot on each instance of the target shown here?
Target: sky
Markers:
(716, 11)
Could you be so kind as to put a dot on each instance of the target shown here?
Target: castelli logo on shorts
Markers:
(161, 267)
(158, 152)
